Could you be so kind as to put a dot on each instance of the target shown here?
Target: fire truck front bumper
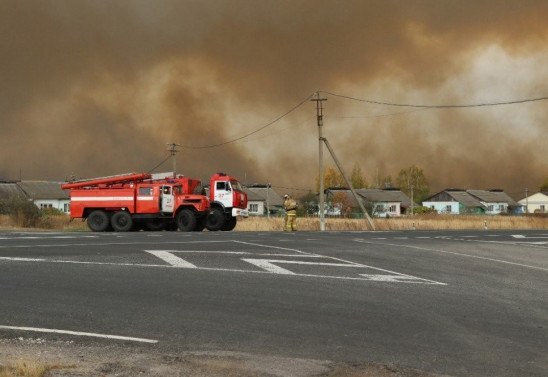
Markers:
(240, 212)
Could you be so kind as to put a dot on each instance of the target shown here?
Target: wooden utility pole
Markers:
(349, 184)
(319, 116)
(173, 151)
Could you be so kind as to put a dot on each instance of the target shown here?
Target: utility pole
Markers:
(348, 183)
(412, 201)
(267, 201)
(173, 151)
(319, 115)
(526, 200)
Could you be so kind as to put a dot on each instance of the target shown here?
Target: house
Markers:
(496, 201)
(536, 203)
(457, 201)
(46, 194)
(454, 202)
(379, 202)
(10, 189)
(261, 197)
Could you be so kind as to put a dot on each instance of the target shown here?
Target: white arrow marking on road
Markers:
(171, 259)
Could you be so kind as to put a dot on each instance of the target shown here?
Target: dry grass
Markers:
(424, 222)
(26, 368)
(263, 224)
(53, 222)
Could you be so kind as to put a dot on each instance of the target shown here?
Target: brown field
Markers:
(422, 222)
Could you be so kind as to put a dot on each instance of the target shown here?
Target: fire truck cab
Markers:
(228, 200)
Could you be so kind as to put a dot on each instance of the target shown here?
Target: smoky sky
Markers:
(95, 88)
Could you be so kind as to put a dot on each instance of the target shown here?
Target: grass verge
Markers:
(26, 368)
(274, 224)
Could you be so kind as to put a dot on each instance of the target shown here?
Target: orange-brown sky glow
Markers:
(95, 88)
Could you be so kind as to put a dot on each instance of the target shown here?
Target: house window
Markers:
(65, 207)
(392, 208)
(542, 208)
(448, 208)
(254, 208)
(501, 207)
(490, 208)
(379, 208)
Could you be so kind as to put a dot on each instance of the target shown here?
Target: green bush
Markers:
(22, 211)
(421, 210)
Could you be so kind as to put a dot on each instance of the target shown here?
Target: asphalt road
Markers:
(457, 303)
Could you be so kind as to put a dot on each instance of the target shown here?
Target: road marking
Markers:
(455, 253)
(78, 333)
(350, 264)
(270, 246)
(23, 259)
(268, 266)
(521, 236)
(173, 260)
(391, 278)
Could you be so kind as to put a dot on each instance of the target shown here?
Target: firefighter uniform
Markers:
(290, 207)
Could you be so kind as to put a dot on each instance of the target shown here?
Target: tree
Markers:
(308, 204)
(357, 179)
(331, 178)
(343, 202)
(413, 178)
(544, 186)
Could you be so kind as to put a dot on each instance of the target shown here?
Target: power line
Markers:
(437, 106)
(252, 132)
(160, 164)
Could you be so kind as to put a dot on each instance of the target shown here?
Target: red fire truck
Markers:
(139, 200)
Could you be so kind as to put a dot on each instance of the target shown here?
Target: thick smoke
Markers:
(96, 88)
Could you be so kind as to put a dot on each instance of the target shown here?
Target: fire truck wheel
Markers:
(230, 224)
(98, 221)
(186, 221)
(121, 221)
(215, 220)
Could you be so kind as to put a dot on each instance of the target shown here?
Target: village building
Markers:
(536, 203)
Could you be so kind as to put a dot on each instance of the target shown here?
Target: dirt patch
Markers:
(77, 360)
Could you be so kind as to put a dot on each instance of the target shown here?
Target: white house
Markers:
(495, 201)
(536, 203)
(46, 194)
(455, 201)
(262, 198)
(383, 203)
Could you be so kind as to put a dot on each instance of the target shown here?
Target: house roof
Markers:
(376, 196)
(261, 193)
(473, 198)
(465, 199)
(538, 198)
(492, 196)
(38, 190)
(9, 190)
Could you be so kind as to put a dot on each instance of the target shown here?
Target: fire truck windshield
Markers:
(236, 186)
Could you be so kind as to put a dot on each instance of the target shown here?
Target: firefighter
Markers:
(290, 207)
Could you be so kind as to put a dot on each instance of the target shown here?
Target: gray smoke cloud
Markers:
(97, 88)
